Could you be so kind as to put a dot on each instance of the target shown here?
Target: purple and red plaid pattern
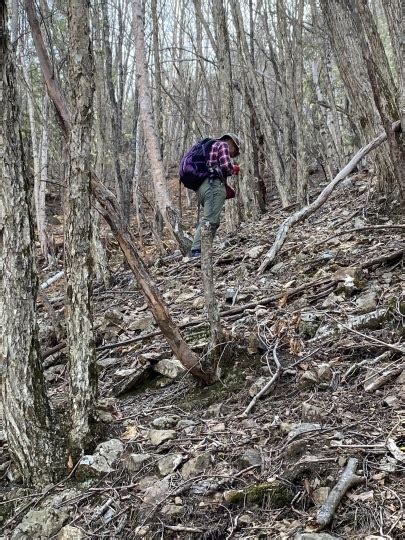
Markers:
(219, 157)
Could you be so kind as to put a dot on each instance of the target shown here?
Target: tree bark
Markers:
(78, 262)
(211, 305)
(28, 421)
(165, 205)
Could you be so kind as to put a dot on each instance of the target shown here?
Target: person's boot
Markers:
(195, 253)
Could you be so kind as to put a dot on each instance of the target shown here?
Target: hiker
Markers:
(204, 169)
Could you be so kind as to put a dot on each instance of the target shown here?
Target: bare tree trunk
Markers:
(209, 292)
(165, 205)
(27, 414)
(382, 84)
(116, 127)
(158, 77)
(78, 263)
(41, 202)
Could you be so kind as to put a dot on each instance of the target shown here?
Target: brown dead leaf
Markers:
(130, 434)
(70, 463)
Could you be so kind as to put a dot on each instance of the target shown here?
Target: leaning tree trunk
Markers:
(165, 205)
(78, 263)
(26, 410)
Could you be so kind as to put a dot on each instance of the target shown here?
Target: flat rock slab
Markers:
(101, 461)
(158, 436)
(128, 379)
(40, 524)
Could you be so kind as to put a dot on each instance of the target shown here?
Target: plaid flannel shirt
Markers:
(219, 159)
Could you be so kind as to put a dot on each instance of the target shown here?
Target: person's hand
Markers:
(236, 169)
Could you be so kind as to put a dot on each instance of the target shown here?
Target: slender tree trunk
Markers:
(41, 202)
(27, 414)
(211, 304)
(116, 127)
(78, 263)
(165, 205)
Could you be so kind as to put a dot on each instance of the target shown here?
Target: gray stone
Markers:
(309, 324)
(301, 429)
(106, 362)
(258, 385)
(185, 424)
(158, 436)
(169, 367)
(320, 495)
(310, 413)
(141, 324)
(70, 533)
(196, 465)
(308, 379)
(249, 458)
(130, 378)
(278, 268)
(401, 378)
(172, 510)
(324, 372)
(167, 421)
(213, 411)
(135, 462)
(169, 463)
(367, 302)
(101, 461)
(199, 303)
(40, 524)
(157, 492)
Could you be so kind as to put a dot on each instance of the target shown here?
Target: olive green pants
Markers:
(211, 196)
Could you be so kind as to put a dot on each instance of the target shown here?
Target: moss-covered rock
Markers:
(273, 495)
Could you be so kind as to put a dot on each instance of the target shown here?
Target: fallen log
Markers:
(321, 199)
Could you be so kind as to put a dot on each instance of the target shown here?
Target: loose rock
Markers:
(171, 368)
(158, 436)
(40, 524)
(101, 461)
(196, 465)
(70, 533)
(169, 463)
(167, 421)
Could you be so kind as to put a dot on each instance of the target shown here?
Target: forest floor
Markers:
(185, 461)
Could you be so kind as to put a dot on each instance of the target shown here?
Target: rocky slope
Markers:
(178, 460)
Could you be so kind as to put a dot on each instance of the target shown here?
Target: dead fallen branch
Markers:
(386, 376)
(267, 387)
(395, 451)
(362, 229)
(348, 479)
(367, 363)
(321, 199)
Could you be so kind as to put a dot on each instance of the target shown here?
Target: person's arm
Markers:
(224, 160)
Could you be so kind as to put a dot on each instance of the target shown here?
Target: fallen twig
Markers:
(367, 362)
(267, 387)
(347, 480)
(360, 229)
